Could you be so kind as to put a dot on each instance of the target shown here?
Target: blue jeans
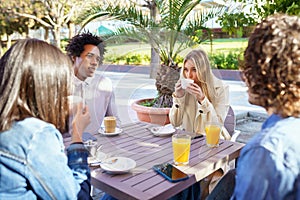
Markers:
(107, 197)
(224, 189)
(191, 193)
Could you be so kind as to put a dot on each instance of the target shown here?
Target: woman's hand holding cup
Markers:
(196, 91)
(179, 91)
(181, 85)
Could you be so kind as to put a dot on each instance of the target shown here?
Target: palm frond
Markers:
(135, 33)
(130, 14)
(86, 15)
(91, 18)
(174, 12)
(173, 34)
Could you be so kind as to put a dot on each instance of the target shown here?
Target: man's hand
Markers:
(80, 121)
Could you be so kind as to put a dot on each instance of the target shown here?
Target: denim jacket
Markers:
(269, 165)
(33, 164)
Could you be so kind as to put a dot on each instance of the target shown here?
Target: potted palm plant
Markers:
(170, 26)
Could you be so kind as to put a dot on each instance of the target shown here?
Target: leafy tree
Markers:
(265, 8)
(170, 26)
(234, 23)
(10, 23)
(51, 14)
(290, 7)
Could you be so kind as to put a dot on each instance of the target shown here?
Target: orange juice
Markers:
(212, 135)
(181, 149)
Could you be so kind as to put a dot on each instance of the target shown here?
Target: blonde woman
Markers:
(206, 99)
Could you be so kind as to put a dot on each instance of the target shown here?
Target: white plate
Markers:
(121, 166)
(100, 156)
(117, 132)
(163, 130)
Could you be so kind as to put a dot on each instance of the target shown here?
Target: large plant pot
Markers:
(149, 114)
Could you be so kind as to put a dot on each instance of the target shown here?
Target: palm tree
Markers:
(170, 26)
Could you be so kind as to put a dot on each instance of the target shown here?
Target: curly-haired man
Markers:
(269, 165)
(86, 52)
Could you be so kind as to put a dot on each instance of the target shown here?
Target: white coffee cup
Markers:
(185, 82)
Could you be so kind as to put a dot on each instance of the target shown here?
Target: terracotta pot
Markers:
(149, 114)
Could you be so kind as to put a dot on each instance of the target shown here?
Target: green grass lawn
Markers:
(225, 45)
(140, 48)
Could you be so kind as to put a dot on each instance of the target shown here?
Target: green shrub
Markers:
(220, 60)
(149, 103)
(128, 59)
(63, 43)
(226, 61)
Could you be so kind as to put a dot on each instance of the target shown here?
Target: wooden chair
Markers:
(230, 123)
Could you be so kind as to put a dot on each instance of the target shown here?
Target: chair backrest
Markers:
(229, 122)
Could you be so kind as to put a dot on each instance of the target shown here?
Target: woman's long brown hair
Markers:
(35, 82)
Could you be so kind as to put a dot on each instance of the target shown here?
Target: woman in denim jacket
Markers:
(35, 82)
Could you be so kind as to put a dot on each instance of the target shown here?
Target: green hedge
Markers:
(230, 60)
(220, 60)
(128, 59)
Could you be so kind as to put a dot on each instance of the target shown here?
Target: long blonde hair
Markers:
(204, 72)
(35, 82)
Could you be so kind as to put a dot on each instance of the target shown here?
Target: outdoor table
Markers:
(138, 143)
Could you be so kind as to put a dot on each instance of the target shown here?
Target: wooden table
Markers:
(138, 143)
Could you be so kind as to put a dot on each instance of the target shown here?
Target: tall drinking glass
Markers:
(213, 130)
(181, 148)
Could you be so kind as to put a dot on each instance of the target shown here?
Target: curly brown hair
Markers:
(271, 67)
(76, 45)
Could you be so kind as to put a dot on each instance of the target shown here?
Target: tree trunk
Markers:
(155, 59)
(25, 34)
(154, 64)
(8, 44)
(0, 47)
(166, 78)
(71, 29)
(56, 37)
(46, 36)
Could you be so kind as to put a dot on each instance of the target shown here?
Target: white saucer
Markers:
(121, 166)
(94, 161)
(163, 130)
(117, 132)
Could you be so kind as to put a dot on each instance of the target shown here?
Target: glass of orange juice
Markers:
(181, 148)
(212, 130)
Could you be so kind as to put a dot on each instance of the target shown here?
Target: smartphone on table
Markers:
(170, 172)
